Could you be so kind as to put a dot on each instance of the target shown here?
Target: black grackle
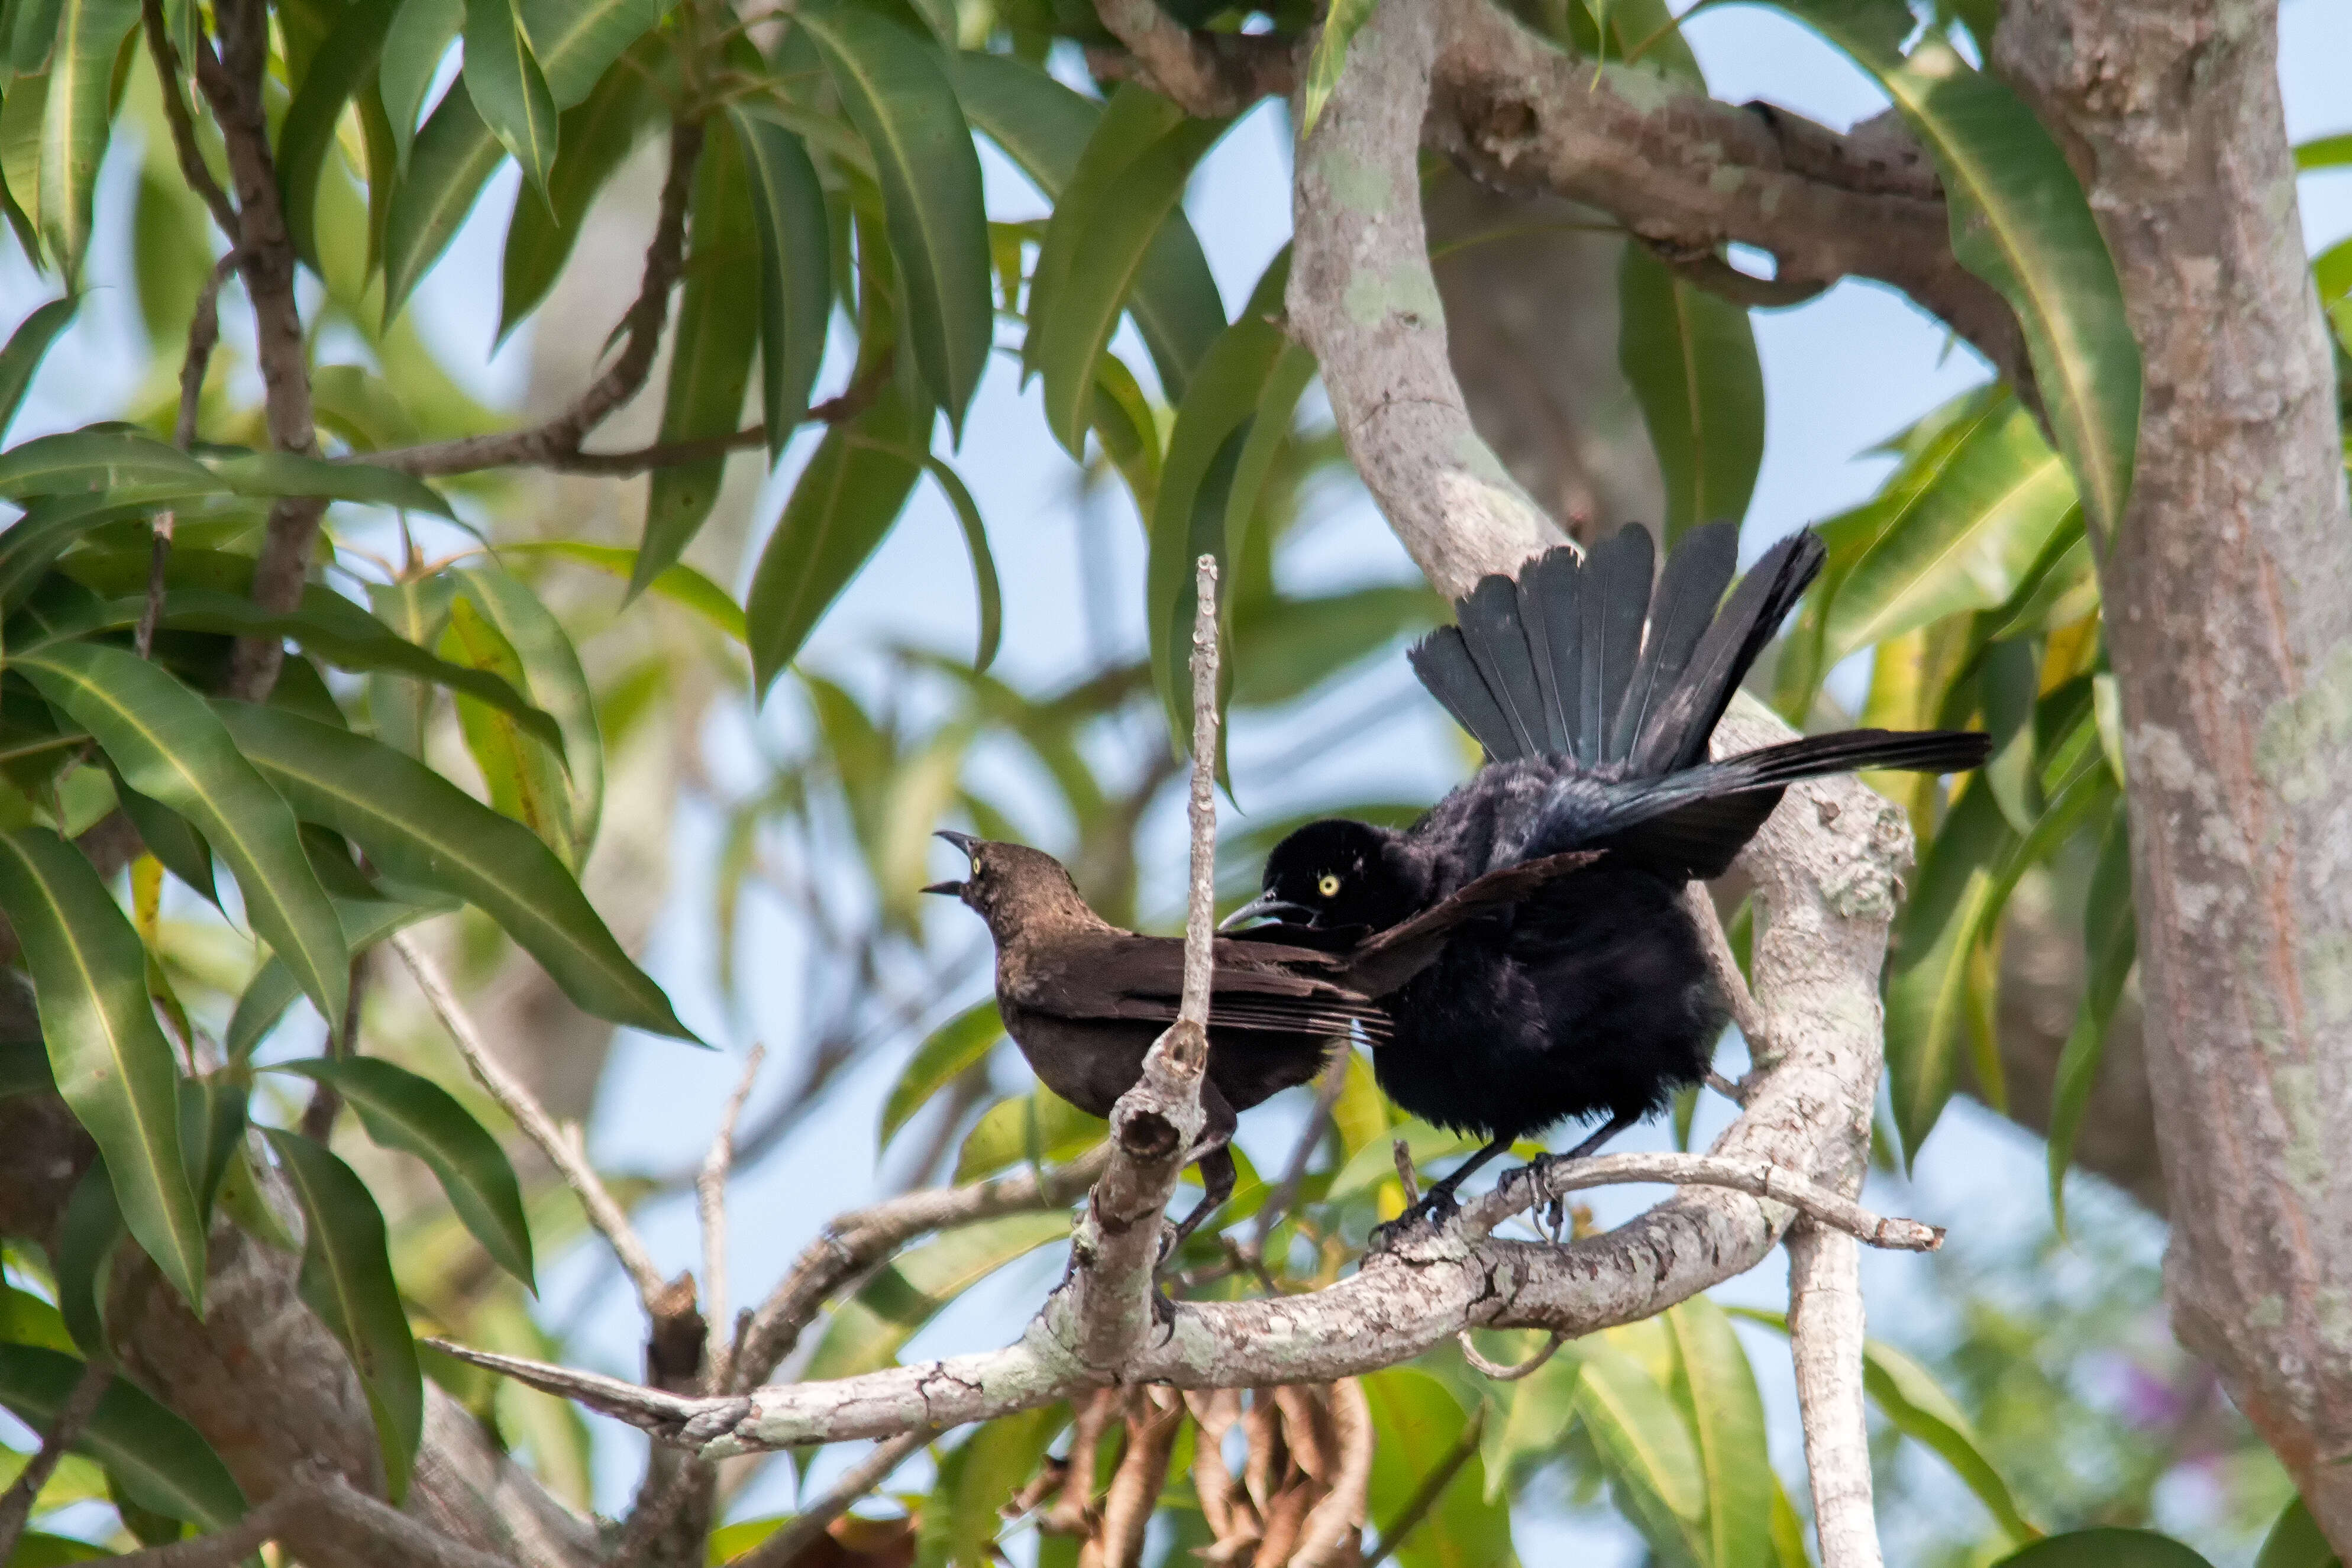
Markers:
(1593, 998)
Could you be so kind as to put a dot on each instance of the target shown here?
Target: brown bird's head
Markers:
(1014, 887)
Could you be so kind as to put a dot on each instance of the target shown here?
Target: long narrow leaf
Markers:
(578, 40)
(897, 96)
(340, 68)
(595, 138)
(422, 828)
(503, 78)
(161, 1461)
(27, 346)
(950, 1048)
(170, 745)
(346, 1278)
(1691, 358)
(453, 160)
(75, 120)
(403, 1111)
(109, 1058)
(796, 271)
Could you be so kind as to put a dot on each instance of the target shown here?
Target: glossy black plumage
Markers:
(1592, 998)
(1084, 1000)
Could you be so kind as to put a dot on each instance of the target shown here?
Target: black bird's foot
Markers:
(1436, 1209)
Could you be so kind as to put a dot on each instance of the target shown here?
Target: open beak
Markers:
(963, 842)
(1266, 903)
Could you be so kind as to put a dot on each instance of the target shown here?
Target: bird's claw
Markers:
(1437, 1208)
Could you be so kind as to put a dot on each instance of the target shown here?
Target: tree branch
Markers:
(1212, 74)
(1825, 1340)
(193, 171)
(563, 1152)
(1525, 1188)
(556, 443)
(1156, 1125)
(710, 1203)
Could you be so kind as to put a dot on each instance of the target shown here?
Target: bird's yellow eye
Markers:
(1328, 884)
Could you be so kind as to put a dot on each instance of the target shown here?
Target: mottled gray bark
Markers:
(2228, 614)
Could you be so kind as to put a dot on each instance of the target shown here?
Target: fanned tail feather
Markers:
(1689, 590)
(1674, 734)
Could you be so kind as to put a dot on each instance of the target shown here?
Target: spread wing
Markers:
(1257, 985)
(1396, 955)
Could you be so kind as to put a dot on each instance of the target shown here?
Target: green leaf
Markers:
(868, 1330)
(421, 829)
(681, 585)
(272, 989)
(1049, 130)
(503, 78)
(339, 70)
(1071, 326)
(27, 346)
(711, 349)
(2111, 941)
(403, 1111)
(2324, 152)
(1539, 1410)
(1691, 358)
(551, 672)
(415, 609)
(160, 1459)
(595, 137)
(1992, 496)
(1927, 990)
(525, 781)
(2105, 1548)
(1647, 1450)
(855, 485)
(983, 562)
(964, 1516)
(420, 34)
(103, 458)
(346, 1278)
(273, 474)
(212, 1125)
(578, 40)
(1910, 1397)
(88, 1235)
(1039, 1128)
(2021, 222)
(110, 1059)
(454, 157)
(1719, 1388)
(796, 271)
(75, 120)
(171, 747)
(1418, 1427)
(897, 96)
(1193, 512)
(166, 834)
(2294, 1540)
(1286, 647)
(949, 1052)
(1345, 19)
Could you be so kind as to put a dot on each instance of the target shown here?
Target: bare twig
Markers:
(565, 1154)
(1425, 1496)
(1528, 1188)
(641, 331)
(65, 1430)
(1724, 966)
(204, 337)
(1294, 1172)
(321, 1519)
(1211, 74)
(1508, 1374)
(862, 1238)
(855, 400)
(1825, 1340)
(784, 1548)
(193, 171)
(1156, 1124)
(711, 1202)
(326, 1101)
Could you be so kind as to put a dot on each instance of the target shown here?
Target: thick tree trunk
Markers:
(2229, 610)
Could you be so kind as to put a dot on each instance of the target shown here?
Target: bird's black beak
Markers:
(963, 842)
(951, 889)
(1266, 903)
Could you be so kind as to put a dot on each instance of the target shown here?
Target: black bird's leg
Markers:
(1535, 1168)
(1438, 1204)
(1217, 1177)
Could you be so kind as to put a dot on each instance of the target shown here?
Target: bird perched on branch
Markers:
(1593, 998)
(1084, 1000)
